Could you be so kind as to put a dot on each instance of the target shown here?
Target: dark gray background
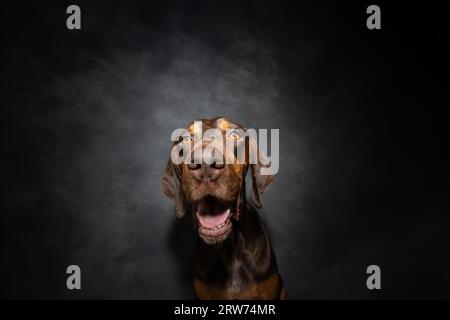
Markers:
(87, 117)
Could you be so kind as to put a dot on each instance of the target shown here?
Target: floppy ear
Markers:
(171, 186)
(260, 183)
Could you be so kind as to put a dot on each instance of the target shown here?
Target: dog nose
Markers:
(206, 171)
(214, 170)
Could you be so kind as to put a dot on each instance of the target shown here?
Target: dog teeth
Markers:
(218, 227)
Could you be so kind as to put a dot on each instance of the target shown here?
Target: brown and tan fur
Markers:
(243, 266)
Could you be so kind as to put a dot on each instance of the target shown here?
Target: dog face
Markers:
(214, 186)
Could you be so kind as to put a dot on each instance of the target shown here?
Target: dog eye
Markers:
(185, 139)
(234, 135)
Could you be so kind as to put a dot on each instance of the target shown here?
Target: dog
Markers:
(233, 257)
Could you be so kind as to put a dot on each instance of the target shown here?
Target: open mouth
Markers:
(214, 219)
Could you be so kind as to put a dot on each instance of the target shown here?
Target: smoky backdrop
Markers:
(87, 117)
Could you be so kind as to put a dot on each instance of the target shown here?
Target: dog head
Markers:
(210, 180)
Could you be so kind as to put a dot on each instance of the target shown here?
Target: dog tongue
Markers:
(211, 213)
(210, 221)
